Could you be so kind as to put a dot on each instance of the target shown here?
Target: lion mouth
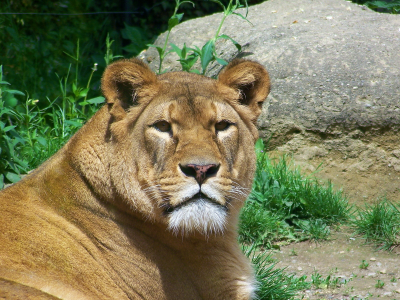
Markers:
(199, 197)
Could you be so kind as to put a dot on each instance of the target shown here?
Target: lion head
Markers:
(185, 143)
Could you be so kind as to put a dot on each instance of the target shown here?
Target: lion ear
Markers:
(250, 79)
(124, 83)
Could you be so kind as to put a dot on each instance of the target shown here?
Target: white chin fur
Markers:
(201, 216)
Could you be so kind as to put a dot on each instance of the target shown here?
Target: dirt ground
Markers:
(366, 168)
(341, 258)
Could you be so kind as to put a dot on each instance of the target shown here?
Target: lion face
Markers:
(190, 141)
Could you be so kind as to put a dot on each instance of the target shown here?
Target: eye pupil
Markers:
(220, 126)
(163, 126)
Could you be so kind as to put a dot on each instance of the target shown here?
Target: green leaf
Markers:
(83, 93)
(180, 16)
(188, 63)
(131, 48)
(159, 49)
(73, 123)
(174, 20)
(42, 141)
(8, 128)
(13, 177)
(207, 54)
(15, 92)
(259, 146)
(221, 61)
(96, 100)
(1, 181)
(241, 16)
(184, 50)
(225, 37)
(177, 50)
(10, 101)
(4, 82)
(131, 33)
(382, 4)
(196, 50)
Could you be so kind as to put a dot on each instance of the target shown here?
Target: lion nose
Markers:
(199, 172)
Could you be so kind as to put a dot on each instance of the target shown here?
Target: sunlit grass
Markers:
(379, 224)
(286, 205)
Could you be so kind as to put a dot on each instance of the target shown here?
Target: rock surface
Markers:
(334, 65)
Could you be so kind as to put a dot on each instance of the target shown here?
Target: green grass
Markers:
(285, 205)
(330, 282)
(274, 283)
(379, 224)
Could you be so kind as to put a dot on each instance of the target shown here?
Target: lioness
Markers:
(143, 201)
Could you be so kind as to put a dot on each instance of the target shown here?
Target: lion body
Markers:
(122, 210)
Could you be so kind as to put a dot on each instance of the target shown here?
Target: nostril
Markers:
(213, 170)
(188, 170)
(199, 172)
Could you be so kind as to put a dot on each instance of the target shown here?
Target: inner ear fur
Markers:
(124, 83)
(250, 79)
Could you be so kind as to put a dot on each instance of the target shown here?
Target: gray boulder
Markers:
(334, 66)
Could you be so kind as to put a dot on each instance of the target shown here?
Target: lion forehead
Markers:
(189, 107)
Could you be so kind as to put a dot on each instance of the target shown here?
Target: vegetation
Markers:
(29, 134)
(274, 283)
(384, 6)
(207, 54)
(284, 205)
(379, 224)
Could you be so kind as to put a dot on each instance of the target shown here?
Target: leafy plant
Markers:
(207, 54)
(30, 133)
(137, 38)
(364, 264)
(386, 6)
(379, 284)
(172, 22)
(329, 282)
(10, 165)
(392, 6)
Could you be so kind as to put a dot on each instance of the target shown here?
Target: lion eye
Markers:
(162, 126)
(223, 125)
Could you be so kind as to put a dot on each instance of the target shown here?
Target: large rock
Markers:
(334, 65)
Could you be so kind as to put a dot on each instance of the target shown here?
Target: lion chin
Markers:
(199, 214)
(143, 201)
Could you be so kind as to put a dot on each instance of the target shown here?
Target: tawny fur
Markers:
(115, 214)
